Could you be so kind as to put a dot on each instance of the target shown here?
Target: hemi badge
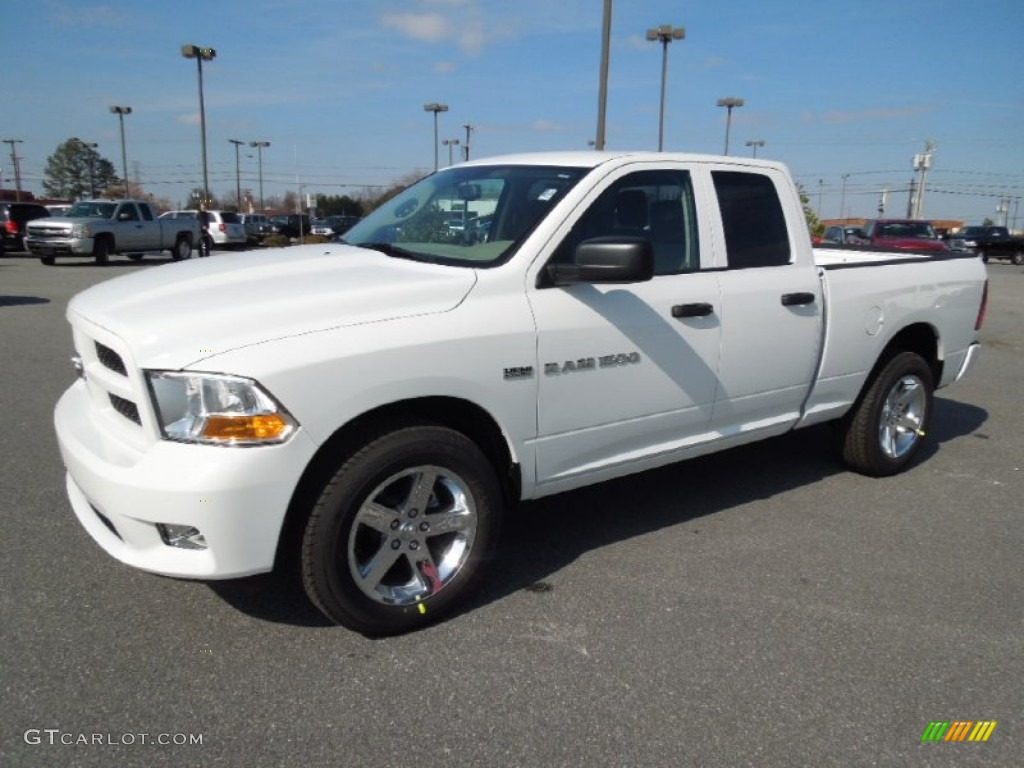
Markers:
(519, 372)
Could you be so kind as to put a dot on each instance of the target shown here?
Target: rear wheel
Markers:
(182, 248)
(887, 425)
(1018, 258)
(398, 534)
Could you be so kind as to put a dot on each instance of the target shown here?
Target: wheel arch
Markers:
(455, 413)
(920, 338)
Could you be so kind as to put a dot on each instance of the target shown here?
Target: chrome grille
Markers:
(110, 359)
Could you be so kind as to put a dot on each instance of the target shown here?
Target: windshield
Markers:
(907, 229)
(465, 216)
(91, 211)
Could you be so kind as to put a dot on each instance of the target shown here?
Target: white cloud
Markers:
(429, 27)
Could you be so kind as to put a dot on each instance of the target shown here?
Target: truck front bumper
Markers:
(64, 246)
(127, 499)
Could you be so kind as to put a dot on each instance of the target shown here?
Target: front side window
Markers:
(752, 217)
(465, 216)
(655, 205)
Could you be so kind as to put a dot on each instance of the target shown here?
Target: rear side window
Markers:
(752, 216)
(229, 217)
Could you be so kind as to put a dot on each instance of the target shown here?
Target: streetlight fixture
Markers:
(238, 173)
(190, 51)
(259, 145)
(121, 112)
(435, 108)
(755, 143)
(730, 103)
(664, 34)
(450, 143)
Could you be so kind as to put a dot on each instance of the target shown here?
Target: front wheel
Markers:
(1018, 258)
(887, 425)
(399, 532)
(101, 250)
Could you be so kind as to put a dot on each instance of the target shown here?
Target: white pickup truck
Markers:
(375, 406)
(98, 228)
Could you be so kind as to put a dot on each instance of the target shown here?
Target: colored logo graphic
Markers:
(958, 730)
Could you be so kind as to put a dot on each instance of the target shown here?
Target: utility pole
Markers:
(17, 168)
(238, 173)
(922, 163)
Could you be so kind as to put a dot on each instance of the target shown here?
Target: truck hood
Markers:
(175, 315)
(910, 243)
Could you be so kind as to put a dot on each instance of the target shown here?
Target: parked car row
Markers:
(986, 241)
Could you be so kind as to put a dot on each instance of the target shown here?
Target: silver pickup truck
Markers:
(98, 228)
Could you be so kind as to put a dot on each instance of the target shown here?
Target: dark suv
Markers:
(292, 225)
(13, 217)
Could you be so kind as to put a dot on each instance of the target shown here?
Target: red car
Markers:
(902, 234)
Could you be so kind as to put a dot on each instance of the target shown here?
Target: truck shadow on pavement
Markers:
(542, 537)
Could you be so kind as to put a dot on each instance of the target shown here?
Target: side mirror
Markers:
(606, 260)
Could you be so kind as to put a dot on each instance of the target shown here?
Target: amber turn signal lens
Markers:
(268, 426)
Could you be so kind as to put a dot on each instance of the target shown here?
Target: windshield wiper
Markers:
(389, 249)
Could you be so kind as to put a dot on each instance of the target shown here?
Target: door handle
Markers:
(796, 299)
(699, 309)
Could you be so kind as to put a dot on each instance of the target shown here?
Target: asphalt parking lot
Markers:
(761, 607)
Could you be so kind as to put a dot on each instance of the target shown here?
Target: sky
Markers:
(845, 93)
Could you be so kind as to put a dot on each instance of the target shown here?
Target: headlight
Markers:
(218, 410)
(971, 243)
(81, 230)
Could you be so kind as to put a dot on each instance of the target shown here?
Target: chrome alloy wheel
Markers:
(903, 414)
(412, 535)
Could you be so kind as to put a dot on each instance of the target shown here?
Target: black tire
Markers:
(428, 540)
(47, 260)
(101, 250)
(886, 426)
(1018, 258)
(182, 248)
(135, 256)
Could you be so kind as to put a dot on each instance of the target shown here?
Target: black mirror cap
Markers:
(614, 259)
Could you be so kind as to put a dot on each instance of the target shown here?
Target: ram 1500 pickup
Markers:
(374, 406)
(98, 228)
(988, 242)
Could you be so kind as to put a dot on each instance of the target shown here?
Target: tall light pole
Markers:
(842, 198)
(259, 153)
(121, 112)
(730, 103)
(664, 34)
(190, 51)
(90, 148)
(755, 143)
(435, 108)
(450, 143)
(238, 173)
(17, 168)
(602, 89)
(465, 147)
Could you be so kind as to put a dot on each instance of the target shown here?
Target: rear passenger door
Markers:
(771, 306)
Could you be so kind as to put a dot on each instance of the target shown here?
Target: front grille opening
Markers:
(106, 521)
(126, 408)
(110, 359)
